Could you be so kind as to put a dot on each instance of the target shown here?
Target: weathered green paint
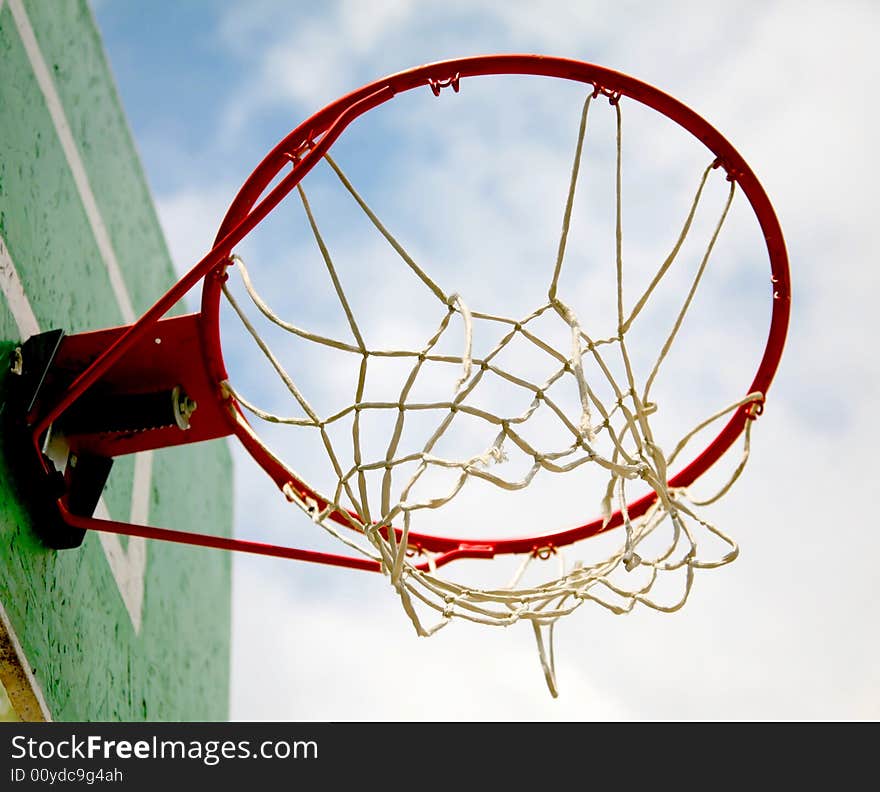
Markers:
(65, 607)
(72, 48)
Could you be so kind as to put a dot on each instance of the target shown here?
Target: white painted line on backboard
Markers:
(140, 496)
(128, 567)
(77, 169)
(15, 295)
(22, 688)
(133, 562)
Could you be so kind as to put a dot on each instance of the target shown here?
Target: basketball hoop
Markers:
(163, 381)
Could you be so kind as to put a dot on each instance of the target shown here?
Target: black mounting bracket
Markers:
(43, 478)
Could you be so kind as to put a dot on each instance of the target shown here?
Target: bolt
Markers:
(184, 407)
(16, 364)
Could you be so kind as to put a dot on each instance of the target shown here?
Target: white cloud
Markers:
(781, 633)
(303, 656)
(190, 219)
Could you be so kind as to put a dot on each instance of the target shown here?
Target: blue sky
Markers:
(781, 633)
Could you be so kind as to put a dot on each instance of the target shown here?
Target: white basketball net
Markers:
(623, 427)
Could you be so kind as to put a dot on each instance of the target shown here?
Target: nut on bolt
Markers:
(184, 407)
(16, 362)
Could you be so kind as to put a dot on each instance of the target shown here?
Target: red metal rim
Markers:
(306, 144)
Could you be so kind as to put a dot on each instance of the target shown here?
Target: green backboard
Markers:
(116, 629)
